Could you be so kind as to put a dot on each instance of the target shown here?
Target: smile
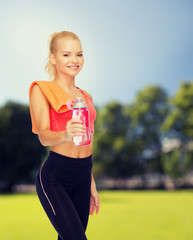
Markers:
(73, 67)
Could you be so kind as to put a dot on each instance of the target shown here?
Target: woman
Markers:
(65, 184)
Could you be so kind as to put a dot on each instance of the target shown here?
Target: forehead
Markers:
(70, 45)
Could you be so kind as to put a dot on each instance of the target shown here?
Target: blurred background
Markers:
(138, 68)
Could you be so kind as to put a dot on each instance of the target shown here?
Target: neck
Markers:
(66, 82)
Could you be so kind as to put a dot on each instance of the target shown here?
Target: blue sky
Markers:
(127, 45)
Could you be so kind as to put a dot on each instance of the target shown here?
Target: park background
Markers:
(138, 68)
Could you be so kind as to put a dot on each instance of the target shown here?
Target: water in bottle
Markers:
(79, 111)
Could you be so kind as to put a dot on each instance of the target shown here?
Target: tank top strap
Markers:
(85, 95)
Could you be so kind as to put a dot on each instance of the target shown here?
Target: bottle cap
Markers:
(79, 103)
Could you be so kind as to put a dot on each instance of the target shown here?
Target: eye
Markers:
(80, 55)
(65, 55)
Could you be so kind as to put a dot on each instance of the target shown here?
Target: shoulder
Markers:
(89, 95)
(39, 82)
(43, 85)
(36, 91)
(35, 87)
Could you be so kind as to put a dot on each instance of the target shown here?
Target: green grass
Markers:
(132, 215)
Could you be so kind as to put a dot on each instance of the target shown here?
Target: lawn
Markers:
(132, 215)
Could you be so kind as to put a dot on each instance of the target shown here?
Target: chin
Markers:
(71, 74)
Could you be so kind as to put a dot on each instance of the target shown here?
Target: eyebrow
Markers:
(70, 52)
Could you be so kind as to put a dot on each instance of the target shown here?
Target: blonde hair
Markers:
(50, 68)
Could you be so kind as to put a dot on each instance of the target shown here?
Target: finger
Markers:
(78, 125)
(97, 209)
(73, 120)
(77, 129)
(77, 134)
(98, 206)
(93, 210)
(90, 212)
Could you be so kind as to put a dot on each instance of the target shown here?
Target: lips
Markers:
(73, 66)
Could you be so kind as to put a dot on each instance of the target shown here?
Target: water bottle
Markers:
(79, 111)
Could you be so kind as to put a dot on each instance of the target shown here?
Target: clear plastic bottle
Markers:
(79, 111)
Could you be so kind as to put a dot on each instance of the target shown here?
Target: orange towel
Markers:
(54, 94)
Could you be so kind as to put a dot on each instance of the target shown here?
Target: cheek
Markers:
(62, 61)
(82, 61)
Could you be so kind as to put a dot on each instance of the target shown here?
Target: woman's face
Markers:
(68, 59)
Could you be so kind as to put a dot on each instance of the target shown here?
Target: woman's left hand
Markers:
(94, 201)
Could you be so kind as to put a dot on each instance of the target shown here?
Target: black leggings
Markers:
(63, 187)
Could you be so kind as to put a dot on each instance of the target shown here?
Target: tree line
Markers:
(153, 134)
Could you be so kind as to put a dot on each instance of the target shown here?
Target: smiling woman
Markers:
(59, 42)
(65, 184)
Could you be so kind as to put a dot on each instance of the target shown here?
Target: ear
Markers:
(52, 59)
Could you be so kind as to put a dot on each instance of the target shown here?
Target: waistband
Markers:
(52, 153)
(69, 161)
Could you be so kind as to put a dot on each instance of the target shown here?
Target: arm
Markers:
(94, 199)
(93, 184)
(40, 110)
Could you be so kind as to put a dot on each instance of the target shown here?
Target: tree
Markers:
(179, 125)
(177, 163)
(111, 150)
(128, 138)
(147, 114)
(20, 150)
(179, 122)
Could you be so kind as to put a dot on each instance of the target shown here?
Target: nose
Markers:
(74, 59)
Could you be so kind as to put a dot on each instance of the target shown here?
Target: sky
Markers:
(127, 45)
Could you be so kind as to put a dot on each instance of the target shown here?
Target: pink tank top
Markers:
(58, 121)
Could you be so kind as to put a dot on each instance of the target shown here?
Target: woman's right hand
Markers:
(74, 127)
